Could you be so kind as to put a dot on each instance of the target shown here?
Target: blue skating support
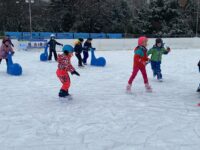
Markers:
(44, 55)
(99, 62)
(13, 69)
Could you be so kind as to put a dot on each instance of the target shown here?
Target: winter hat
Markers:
(89, 39)
(81, 39)
(68, 48)
(159, 40)
(141, 40)
(5, 40)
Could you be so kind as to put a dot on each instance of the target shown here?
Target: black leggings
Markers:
(54, 52)
(78, 55)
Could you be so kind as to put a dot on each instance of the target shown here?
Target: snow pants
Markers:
(134, 73)
(54, 53)
(85, 56)
(64, 78)
(155, 66)
(80, 61)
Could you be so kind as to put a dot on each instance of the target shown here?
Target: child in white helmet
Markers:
(52, 47)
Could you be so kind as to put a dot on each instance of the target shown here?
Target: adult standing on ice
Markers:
(78, 48)
(139, 64)
(52, 47)
(5, 49)
(156, 53)
(64, 66)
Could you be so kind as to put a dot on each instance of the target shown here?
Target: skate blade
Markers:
(149, 90)
(65, 99)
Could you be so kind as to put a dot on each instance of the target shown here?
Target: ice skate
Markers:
(148, 88)
(198, 89)
(128, 88)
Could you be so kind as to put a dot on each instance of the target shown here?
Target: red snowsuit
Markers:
(140, 59)
(64, 66)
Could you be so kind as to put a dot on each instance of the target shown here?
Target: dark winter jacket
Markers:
(52, 44)
(87, 46)
(78, 48)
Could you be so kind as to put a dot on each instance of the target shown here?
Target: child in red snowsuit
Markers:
(140, 61)
(64, 66)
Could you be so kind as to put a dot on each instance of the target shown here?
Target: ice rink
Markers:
(101, 116)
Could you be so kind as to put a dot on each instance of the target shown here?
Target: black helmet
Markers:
(81, 39)
(89, 39)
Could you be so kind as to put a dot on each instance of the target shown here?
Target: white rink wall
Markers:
(129, 44)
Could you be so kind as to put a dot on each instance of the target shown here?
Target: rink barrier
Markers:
(63, 35)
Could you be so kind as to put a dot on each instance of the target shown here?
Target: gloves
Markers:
(168, 49)
(75, 72)
(147, 62)
(12, 53)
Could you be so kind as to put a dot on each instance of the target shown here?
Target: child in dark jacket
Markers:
(52, 47)
(198, 89)
(140, 60)
(86, 48)
(78, 48)
(156, 53)
(64, 66)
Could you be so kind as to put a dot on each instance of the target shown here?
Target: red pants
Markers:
(64, 78)
(135, 71)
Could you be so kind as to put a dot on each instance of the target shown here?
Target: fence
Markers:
(64, 35)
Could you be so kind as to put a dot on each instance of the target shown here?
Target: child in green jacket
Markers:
(156, 53)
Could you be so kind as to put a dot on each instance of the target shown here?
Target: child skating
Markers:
(78, 48)
(87, 46)
(140, 60)
(5, 49)
(156, 53)
(64, 66)
(52, 47)
(198, 89)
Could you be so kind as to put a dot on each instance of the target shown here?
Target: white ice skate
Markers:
(128, 88)
(148, 88)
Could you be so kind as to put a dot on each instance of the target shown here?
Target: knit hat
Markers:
(81, 39)
(159, 40)
(141, 40)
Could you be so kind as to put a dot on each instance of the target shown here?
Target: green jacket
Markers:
(156, 53)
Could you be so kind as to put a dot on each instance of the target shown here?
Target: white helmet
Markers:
(52, 35)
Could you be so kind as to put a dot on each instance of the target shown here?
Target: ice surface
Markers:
(101, 115)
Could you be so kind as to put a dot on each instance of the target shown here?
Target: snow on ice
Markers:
(101, 115)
